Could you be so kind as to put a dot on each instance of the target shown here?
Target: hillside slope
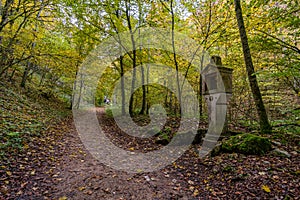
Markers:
(25, 116)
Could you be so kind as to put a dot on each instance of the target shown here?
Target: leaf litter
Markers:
(57, 166)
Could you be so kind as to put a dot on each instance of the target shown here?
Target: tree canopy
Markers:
(44, 42)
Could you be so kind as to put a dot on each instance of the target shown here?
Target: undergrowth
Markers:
(25, 116)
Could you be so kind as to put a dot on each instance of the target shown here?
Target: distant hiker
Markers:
(106, 100)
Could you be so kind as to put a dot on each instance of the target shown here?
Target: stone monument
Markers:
(217, 81)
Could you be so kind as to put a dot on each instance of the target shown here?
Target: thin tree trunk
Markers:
(75, 103)
(167, 92)
(12, 75)
(25, 74)
(175, 59)
(144, 92)
(143, 109)
(201, 89)
(147, 88)
(122, 85)
(74, 89)
(131, 101)
(80, 91)
(265, 127)
(123, 111)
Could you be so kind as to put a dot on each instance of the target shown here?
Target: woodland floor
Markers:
(56, 165)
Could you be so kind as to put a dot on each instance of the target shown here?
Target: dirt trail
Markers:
(57, 166)
(80, 176)
(227, 176)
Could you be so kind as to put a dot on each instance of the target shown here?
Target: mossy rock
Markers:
(247, 144)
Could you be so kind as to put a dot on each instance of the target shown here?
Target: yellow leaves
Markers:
(26, 146)
(80, 151)
(131, 149)
(23, 184)
(181, 167)
(35, 188)
(73, 155)
(191, 188)
(266, 188)
(84, 190)
(62, 198)
(56, 175)
(32, 172)
(3, 189)
(178, 166)
(81, 188)
(19, 192)
(174, 164)
(262, 173)
(8, 173)
(196, 192)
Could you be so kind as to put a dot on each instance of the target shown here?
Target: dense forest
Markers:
(124, 58)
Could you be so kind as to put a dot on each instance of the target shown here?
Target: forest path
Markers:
(81, 176)
(58, 166)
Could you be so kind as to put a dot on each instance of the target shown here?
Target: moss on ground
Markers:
(247, 144)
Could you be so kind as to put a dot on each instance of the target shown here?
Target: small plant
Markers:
(163, 139)
(228, 168)
(167, 129)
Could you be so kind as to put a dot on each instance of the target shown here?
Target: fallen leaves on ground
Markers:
(57, 166)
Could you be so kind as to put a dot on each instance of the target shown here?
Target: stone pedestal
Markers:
(213, 102)
(217, 80)
(217, 91)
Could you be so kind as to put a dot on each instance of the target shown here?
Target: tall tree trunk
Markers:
(131, 101)
(144, 97)
(147, 88)
(201, 88)
(123, 111)
(122, 85)
(143, 109)
(265, 127)
(175, 59)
